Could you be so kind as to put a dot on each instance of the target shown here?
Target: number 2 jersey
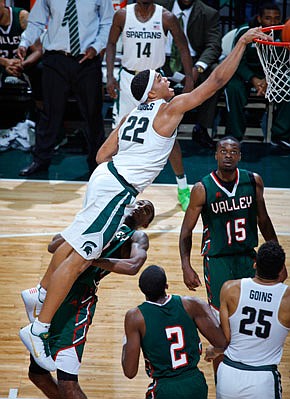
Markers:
(143, 42)
(142, 152)
(171, 345)
(257, 336)
(229, 217)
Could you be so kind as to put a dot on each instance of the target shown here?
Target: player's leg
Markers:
(216, 272)
(43, 380)
(183, 191)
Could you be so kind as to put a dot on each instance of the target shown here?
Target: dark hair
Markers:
(139, 84)
(268, 6)
(152, 282)
(228, 138)
(270, 260)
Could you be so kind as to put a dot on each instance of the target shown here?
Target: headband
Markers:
(149, 85)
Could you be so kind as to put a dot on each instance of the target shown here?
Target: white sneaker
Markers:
(38, 346)
(31, 302)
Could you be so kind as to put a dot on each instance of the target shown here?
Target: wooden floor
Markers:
(31, 212)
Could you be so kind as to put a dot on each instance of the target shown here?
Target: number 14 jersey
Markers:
(143, 42)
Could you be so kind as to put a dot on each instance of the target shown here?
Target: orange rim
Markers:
(269, 29)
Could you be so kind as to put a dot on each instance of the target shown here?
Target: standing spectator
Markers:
(76, 35)
(250, 75)
(255, 318)
(143, 28)
(201, 27)
(166, 328)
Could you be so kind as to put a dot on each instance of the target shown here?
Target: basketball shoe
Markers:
(38, 346)
(183, 196)
(32, 302)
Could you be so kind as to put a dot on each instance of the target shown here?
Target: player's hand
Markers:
(255, 33)
(112, 87)
(210, 354)
(90, 53)
(191, 279)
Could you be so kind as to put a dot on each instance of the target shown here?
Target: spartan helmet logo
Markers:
(88, 247)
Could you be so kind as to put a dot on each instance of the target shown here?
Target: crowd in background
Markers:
(204, 23)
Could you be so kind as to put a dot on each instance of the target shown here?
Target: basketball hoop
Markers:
(275, 59)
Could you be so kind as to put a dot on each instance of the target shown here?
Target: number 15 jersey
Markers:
(142, 152)
(229, 218)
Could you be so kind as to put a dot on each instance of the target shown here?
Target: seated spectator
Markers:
(250, 75)
(26, 74)
(201, 27)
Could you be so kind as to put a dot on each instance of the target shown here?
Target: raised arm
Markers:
(131, 265)
(217, 79)
(264, 221)
(197, 200)
(134, 323)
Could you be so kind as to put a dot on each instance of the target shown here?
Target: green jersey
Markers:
(171, 345)
(229, 217)
(71, 322)
(10, 35)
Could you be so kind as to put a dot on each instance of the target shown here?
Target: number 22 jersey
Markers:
(142, 152)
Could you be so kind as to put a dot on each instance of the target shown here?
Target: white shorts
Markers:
(125, 102)
(67, 360)
(104, 207)
(233, 383)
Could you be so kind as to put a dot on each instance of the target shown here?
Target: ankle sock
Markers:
(41, 293)
(181, 182)
(38, 327)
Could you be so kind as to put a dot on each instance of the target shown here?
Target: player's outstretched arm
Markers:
(131, 265)
(219, 77)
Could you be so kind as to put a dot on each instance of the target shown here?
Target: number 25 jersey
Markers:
(257, 336)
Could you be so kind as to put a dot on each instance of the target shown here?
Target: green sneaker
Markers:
(183, 196)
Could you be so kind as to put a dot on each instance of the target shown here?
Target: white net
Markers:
(276, 65)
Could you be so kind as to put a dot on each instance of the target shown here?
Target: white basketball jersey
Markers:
(257, 336)
(142, 152)
(143, 42)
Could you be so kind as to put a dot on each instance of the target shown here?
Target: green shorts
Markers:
(190, 385)
(71, 323)
(217, 270)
